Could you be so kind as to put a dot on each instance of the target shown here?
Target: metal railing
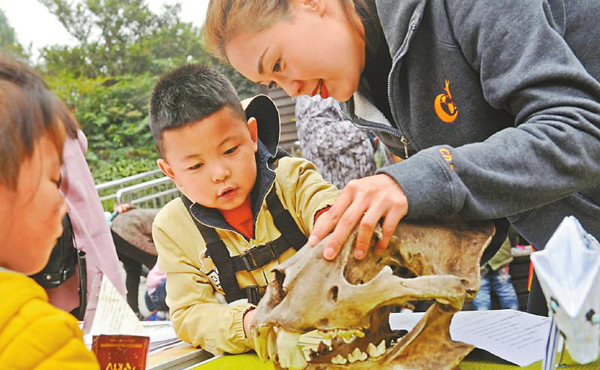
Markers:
(136, 187)
(150, 194)
(148, 189)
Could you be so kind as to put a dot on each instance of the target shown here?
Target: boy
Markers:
(33, 333)
(239, 217)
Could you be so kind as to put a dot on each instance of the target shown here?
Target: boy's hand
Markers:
(248, 316)
(364, 202)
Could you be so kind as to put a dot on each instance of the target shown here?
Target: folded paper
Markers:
(569, 272)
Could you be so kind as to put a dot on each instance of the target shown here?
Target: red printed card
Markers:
(121, 352)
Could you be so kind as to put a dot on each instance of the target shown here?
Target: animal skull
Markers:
(350, 301)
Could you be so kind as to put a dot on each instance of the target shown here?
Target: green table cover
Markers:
(477, 360)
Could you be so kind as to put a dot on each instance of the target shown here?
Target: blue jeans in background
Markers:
(156, 300)
(500, 282)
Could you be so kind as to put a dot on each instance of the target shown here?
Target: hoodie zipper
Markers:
(379, 127)
(413, 26)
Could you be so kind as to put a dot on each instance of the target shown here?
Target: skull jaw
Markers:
(427, 347)
(417, 248)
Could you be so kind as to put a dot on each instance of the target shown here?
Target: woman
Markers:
(494, 104)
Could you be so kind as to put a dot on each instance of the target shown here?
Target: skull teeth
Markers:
(288, 352)
(261, 337)
(357, 355)
(346, 335)
(376, 351)
(339, 360)
(381, 347)
(272, 344)
(283, 348)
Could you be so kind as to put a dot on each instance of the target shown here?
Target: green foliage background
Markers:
(107, 78)
(112, 113)
(8, 39)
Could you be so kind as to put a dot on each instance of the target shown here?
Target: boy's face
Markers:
(31, 215)
(212, 160)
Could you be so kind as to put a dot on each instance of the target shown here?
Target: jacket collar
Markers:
(397, 18)
(265, 177)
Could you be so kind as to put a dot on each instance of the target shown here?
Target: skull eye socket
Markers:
(277, 284)
(333, 293)
(399, 270)
(403, 272)
(279, 277)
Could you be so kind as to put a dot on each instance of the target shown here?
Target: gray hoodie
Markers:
(500, 99)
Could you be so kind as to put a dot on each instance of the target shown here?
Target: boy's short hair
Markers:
(188, 94)
(28, 110)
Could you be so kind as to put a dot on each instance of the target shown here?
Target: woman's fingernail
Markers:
(359, 254)
(329, 252)
(313, 240)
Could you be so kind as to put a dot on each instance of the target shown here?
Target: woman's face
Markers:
(31, 215)
(315, 51)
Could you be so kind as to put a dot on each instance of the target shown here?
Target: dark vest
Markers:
(255, 258)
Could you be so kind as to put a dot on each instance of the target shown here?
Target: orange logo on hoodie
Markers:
(447, 155)
(444, 106)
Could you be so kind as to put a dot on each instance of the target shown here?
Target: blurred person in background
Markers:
(340, 151)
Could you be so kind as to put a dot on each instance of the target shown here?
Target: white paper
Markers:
(162, 335)
(514, 336)
(113, 314)
(159, 330)
(569, 267)
(569, 272)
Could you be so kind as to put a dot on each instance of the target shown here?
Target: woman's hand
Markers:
(364, 202)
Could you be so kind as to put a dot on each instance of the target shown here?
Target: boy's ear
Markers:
(168, 171)
(253, 127)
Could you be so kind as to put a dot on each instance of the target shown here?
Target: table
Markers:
(477, 360)
(185, 356)
(179, 357)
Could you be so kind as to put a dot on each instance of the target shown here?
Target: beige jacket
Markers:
(199, 313)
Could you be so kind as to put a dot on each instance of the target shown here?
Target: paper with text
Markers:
(514, 336)
(113, 314)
